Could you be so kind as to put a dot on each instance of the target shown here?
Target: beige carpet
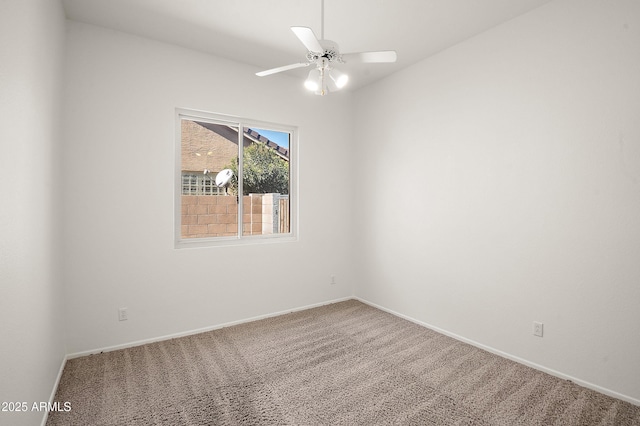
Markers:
(341, 364)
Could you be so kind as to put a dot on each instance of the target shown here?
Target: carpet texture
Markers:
(340, 364)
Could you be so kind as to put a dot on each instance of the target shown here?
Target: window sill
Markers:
(234, 241)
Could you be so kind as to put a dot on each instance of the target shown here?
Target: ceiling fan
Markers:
(323, 54)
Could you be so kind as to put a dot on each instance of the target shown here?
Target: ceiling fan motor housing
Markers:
(331, 52)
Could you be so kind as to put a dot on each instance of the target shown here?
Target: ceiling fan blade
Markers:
(371, 57)
(308, 38)
(280, 69)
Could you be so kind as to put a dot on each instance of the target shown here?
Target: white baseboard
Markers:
(55, 389)
(201, 330)
(519, 360)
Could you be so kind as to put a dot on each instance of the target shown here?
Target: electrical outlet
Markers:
(122, 314)
(537, 328)
(333, 280)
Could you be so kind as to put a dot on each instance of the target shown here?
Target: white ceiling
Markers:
(257, 32)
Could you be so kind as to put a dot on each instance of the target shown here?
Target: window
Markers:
(234, 180)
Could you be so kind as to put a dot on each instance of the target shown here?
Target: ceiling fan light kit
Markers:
(322, 53)
(324, 79)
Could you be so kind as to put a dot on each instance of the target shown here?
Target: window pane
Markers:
(266, 183)
(207, 209)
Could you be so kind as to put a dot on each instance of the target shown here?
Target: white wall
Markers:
(121, 94)
(31, 332)
(516, 158)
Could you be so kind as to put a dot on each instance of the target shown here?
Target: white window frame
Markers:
(242, 123)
